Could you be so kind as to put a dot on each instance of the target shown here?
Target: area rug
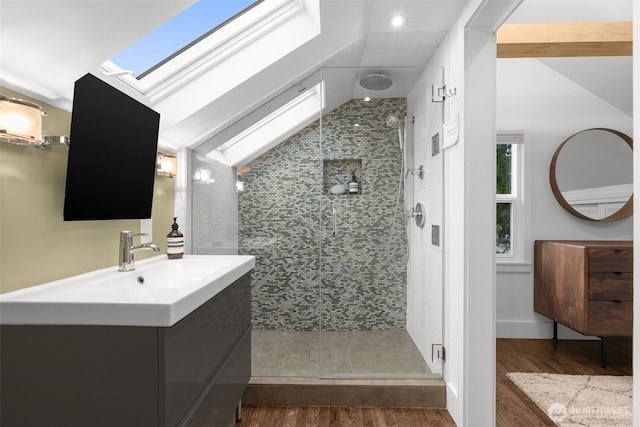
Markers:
(579, 400)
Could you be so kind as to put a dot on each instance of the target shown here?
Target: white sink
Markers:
(159, 292)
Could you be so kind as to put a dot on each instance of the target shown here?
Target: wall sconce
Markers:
(21, 124)
(166, 165)
(203, 175)
(240, 186)
(20, 121)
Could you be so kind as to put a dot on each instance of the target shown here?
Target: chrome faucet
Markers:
(126, 250)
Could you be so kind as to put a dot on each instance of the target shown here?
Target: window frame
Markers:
(213, 48)
(520, 257)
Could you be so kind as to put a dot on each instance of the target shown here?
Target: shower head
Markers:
(392, 121)
(376, 81)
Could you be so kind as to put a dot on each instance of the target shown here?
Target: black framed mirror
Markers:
(591, 175)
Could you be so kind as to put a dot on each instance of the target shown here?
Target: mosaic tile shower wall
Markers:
(306, 278)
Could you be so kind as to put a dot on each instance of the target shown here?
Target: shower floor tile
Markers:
(362, 354)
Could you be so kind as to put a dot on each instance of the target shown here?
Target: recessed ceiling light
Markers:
(398, 21)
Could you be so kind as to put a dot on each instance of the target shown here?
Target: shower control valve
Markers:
(419, 172)
(418, 214)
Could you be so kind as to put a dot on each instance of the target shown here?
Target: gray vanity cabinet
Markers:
(191, 374)
(200, 346)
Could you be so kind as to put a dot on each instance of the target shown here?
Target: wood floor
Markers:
(321, 416)
(513, 408)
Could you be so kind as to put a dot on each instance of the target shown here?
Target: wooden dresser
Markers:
(586, 286)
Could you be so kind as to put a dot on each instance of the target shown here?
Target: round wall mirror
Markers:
(591, 175)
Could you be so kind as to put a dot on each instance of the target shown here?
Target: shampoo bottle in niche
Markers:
(354, 187)
(175, 242)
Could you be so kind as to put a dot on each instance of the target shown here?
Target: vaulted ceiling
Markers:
(45, 48)
(604, 70)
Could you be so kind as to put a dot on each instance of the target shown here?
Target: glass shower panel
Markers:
(279, 224)
(364, 242)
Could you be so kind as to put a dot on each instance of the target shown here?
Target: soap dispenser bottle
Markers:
(354, 187)
(175, 242)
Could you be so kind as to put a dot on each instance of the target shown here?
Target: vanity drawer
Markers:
(611, 259)
(611, 286)
(609, 318)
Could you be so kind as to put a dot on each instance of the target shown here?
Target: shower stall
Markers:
(325, 214)
(345, 283)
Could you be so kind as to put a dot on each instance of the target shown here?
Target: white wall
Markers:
(214, 209)
(430, 286)
(207, 212)
(425, 272)
(466, 200)
(549, 107)
(478, 241)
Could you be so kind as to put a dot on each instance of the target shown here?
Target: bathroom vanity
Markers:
(190, 371)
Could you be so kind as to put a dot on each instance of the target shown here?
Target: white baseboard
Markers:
(536, 330)
(454, 405)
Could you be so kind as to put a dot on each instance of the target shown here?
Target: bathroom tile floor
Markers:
(361, 354)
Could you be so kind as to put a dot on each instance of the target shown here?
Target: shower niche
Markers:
(339, 172)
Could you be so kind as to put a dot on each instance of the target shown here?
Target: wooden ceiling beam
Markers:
(565, 39)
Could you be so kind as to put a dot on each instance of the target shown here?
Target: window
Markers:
(505, 197)
(177, 34)
(509, 196)
(214, 50)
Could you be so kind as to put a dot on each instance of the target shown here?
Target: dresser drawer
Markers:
(611, 259)
(608, 318)
(611, 286)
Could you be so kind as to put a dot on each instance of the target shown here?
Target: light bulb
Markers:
(398, 21)
(15, 122)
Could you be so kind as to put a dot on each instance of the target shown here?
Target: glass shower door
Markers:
(363, 259)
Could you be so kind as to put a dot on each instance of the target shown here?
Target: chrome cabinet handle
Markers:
(335, 222)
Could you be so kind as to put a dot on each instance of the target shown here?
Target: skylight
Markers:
(185, 29)
(273, 129)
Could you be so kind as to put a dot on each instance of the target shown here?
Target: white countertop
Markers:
(159, 292)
